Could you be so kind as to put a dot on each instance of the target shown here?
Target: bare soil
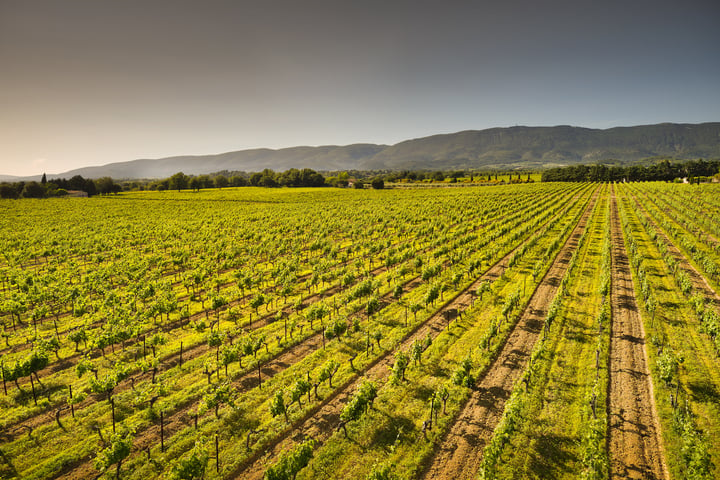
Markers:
(635, 444)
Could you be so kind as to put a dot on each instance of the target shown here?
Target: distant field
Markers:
(541, 330)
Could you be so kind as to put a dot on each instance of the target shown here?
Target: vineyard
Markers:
(549, 330)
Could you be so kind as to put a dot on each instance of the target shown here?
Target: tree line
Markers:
(59, 187)
(665, 170)
(267, 178)
(293, 177)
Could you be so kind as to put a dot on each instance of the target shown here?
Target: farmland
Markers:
(551, 330)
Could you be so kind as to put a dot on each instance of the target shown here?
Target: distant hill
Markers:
(495, 148)
(539, 147)
(317, 158)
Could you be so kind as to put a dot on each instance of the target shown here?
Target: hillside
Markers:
(495, 148)
(551, 146)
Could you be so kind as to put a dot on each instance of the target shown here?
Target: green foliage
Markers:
(432, 294)
(84, 365)
(257, 301)
(214, 339)
(216, 396)
(277, 405)
(193, 464)
(594, 455)
(300, 388)
(431, 271)
(361, 290)
(382, 472)
(463, 376)
(373, 305)
(360, 401)
(668, 363)
(509, 423)
(336, 329)
(328, 370)
(77, 336)
(697, 464)
(106, 383)
(399, 366)
(416, 351)
(118, 450)
(32, 363)
(291, 462)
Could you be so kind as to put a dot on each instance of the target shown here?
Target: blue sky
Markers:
(98, 81)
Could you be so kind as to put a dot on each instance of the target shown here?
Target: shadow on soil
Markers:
(553, 457)
(392, 430)
(705, 392)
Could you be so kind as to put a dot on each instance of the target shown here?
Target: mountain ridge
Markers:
(493, 148)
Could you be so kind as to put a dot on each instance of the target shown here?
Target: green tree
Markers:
(33, 190)
(220, 181)
(106, 185)
(179, 181)
(300, 388)
(328, 371)
(359, 403)
(238, 181)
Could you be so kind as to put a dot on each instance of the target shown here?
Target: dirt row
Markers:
(460, 452)
(634, 438)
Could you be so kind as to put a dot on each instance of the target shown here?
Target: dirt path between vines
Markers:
(634, 438)
(459, 455)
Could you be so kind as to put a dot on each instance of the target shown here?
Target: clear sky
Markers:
(90, 82)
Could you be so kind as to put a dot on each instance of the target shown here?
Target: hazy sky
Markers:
(98, 81)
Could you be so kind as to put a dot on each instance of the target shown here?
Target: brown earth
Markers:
(459, 455)
(635, 444)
